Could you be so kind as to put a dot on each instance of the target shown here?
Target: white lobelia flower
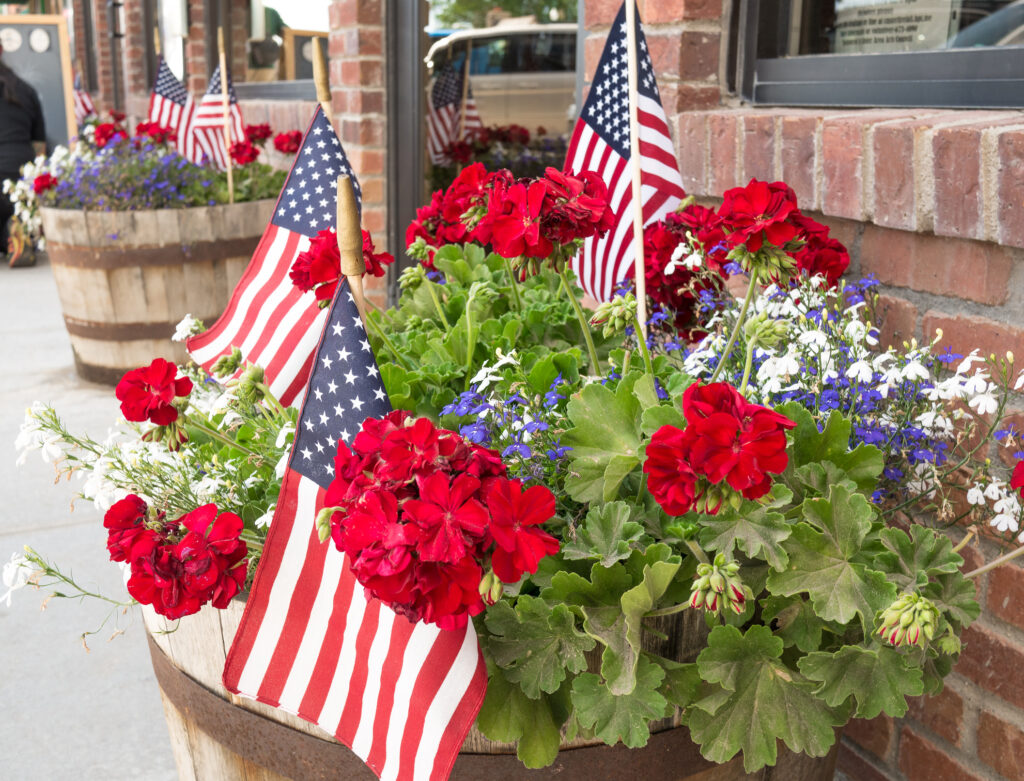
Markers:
(188, 326)
(17, 573)
(1004, 522)
(985, 403)
(977, 383)
(994, 490)
(1008, 505)
(489, 371)
(914, 370)
(861, 371)
(967, 362)
(282, 435)
(814, 338)
(1020, 382)
(282, 465)
(975, 495)
(264, 520)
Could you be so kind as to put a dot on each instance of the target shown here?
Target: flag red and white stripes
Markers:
(208, 122)
(172, 107)
(444, 114)
(402, 696)
(268, 319)
(84, 107)
(600, 143)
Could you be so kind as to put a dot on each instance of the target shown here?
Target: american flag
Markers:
(84, 107)
(402, 696)
(209, 119)
(268, 319)
(444, 113)
(600, 143)
(172, 107)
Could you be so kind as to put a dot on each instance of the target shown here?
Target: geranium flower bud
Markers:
(414, 276)
(227, 364)
(718, 586)
(490, 587)
(616, 314)
(907, 618)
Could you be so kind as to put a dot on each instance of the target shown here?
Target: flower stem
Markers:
(747, 365)
(205, 426)
(736, 329)
(996, 563)
(965, 541)
(437, 305)
(512, 282)
(469, 341)
(648, 367)
(667, 611)
(383, 312)
(595, 365)
(272, 400)
(699, 554)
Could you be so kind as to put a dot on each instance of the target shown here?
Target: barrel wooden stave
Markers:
(125, 279)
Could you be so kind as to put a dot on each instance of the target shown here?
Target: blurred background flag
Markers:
(84, 107)
(402, 696)
(600, 143)
(444, 114)
(209, 119)
(172, 107)
(271, 322)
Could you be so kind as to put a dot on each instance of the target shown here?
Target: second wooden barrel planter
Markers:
(125, 279)
(218, 735)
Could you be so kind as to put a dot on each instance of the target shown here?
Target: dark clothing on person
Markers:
(21, 123)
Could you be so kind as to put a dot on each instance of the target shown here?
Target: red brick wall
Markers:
(932, 202)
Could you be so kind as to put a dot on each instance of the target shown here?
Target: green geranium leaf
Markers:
(656, 417)
(536, 644)
(623, 717)
(911, 559)
(796, 622)
(605, 430)
(880, 680)
(862, 465)
(955, 596)
(605, 586)
(822, 562)
(763, 702)
(607, 624)
(682, 683)
(755, 530)
(508, 715)
(607, 534)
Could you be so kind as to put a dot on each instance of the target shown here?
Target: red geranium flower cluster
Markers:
(258, 134)
(244, 152)
(148, 393)
(507, 134)
(460, 152)
(319, 267)
(419, 510)
(288, 143)
(43, 182)
(1017, 478)
(515, 218)
(670, 283)
(155, 132)
(108, 132)
(726, 440)
(177, 566)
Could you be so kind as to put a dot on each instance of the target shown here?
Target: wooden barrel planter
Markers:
(218, 735)
(126, 279)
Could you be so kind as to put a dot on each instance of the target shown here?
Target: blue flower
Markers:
(558, 451)
(476, 433)
(518, 448)
(948, 356)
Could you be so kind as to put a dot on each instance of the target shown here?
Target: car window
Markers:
(517, 53)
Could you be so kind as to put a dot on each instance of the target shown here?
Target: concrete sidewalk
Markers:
(64, 713)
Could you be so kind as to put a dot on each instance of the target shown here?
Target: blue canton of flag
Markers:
(309, 200)
(344, 390)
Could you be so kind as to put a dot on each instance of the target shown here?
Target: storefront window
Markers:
(943, 53)
(280, 44)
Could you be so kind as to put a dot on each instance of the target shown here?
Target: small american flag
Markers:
(600, 143)
(172, 107)
(444, 113)
(84, 107)
(209, 119)
(402, 696)
(271, 322)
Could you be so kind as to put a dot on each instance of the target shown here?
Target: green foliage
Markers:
(625, 717)
(607, 535)
(761, 701)
(753, 528)
(879, 679)
(508, 715)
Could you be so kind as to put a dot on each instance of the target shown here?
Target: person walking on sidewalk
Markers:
(21, 124)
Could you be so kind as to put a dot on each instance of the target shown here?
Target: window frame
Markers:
(981, 78)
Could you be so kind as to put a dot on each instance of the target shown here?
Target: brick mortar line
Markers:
(971, 762)
(975, 700)
(1007, 314)
(883, 766)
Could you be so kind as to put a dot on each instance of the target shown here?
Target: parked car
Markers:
(519, 73)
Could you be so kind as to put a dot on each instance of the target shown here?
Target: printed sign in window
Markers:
(867, 26)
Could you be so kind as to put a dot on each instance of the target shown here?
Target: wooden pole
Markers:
(634, 164)
(226, 104)
(350, 243)
(320, 79)
(465, 91)
(156, 40)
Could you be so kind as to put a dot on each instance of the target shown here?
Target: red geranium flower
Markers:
(516, 229)
(258, 134)
(212, 554)
(670, 478)
(156, 132)
(157, 580)
(758, 213)
(124, 522)
(244, 152)
(376, 262)
(43, 182)
(451, 519)
(515, 516)
(147, 393)
(824, 256)
(1017, 478)
(288, 143)
(107, 132)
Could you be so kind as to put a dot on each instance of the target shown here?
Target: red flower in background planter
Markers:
(147, 393)
(759, 213)
(43, 182)
(106, 132)
(244, 152)
(156, 132)
(288, 143)
(258, 134)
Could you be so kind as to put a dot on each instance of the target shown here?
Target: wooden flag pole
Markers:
(350, 243)
(465, 91)
(156, 41)
(226, 103)
(634, 164)
(323, 86)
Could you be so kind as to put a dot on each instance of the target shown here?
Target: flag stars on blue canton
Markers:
(344, 391)
(309, 206)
